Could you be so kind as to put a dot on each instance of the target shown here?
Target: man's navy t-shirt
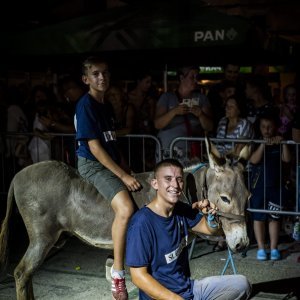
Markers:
(160, 244)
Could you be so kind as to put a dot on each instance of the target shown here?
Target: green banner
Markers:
(153, 27)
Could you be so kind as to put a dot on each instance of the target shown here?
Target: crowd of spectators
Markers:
(232, 109)
(228, 109)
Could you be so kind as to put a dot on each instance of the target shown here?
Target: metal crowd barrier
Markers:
(140, 151)
(294, 203)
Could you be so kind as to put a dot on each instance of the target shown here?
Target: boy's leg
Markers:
(225, 287)
(123, 208)
(112, 188)
(259, 232)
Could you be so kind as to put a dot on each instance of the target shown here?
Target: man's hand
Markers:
(208, 224)
(205, 206)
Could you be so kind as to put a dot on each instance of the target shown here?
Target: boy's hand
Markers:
(131, 183)
(274, 140)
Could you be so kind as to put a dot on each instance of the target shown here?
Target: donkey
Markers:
(52, 198)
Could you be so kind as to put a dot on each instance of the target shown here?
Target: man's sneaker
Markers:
(261, 254)
(275, 254)
(118, 286)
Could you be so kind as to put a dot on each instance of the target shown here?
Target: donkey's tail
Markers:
(4, 229)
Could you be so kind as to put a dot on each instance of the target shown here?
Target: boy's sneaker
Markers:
(118, 286)
(275, 254)
(261, 254)
(108, 265)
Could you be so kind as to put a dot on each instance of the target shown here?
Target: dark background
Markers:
(273, 36)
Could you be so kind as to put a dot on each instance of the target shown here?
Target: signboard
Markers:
(154, 27)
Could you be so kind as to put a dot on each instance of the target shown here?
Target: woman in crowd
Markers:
(124, 112)
(177, 116)
(234, 125)
(144, 102)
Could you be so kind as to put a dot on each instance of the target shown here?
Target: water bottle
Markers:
(296, 231)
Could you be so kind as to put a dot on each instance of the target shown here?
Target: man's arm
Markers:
(163, 117)
(203, 227)
(206, 207)
(144, 281)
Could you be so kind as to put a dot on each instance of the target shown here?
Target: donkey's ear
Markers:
(213, 154)
(244, 155)
(245, 152)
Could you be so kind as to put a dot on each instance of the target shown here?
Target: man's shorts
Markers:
(106, 182)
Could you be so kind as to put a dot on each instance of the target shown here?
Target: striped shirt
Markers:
(243, 130)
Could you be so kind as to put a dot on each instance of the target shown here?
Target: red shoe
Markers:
(118, 288)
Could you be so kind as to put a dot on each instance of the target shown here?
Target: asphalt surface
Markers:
(77, 271)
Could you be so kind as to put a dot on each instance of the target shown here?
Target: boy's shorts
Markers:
(105, 181)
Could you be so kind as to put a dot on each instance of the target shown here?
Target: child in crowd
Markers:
(266, 184)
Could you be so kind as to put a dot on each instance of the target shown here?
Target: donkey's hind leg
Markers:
(32, 259)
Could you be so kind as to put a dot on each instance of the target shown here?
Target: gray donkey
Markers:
(52, 198)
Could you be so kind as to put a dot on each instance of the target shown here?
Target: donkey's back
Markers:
(51, 198)
(58, 199)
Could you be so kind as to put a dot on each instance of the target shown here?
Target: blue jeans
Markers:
(224, 287)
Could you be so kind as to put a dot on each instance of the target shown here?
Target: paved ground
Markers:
(77, 271)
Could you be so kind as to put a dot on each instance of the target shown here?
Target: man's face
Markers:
(97, 77)
(231, 72)
(169, 184)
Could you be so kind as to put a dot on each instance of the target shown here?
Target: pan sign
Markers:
(215, 35)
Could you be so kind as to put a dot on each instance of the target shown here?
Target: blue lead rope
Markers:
(198, 167)
(211, 221)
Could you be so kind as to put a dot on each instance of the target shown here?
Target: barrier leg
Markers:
(192, 248)
(229, 259)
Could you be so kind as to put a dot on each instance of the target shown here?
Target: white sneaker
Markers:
(108, 266)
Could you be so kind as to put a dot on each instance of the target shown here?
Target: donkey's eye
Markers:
(225, 199)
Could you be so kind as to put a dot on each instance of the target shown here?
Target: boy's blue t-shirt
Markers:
(94, 120)
(161, 244)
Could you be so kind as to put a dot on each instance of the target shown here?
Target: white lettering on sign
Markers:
(214, 35)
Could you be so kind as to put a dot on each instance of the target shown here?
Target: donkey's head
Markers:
(227, 189)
